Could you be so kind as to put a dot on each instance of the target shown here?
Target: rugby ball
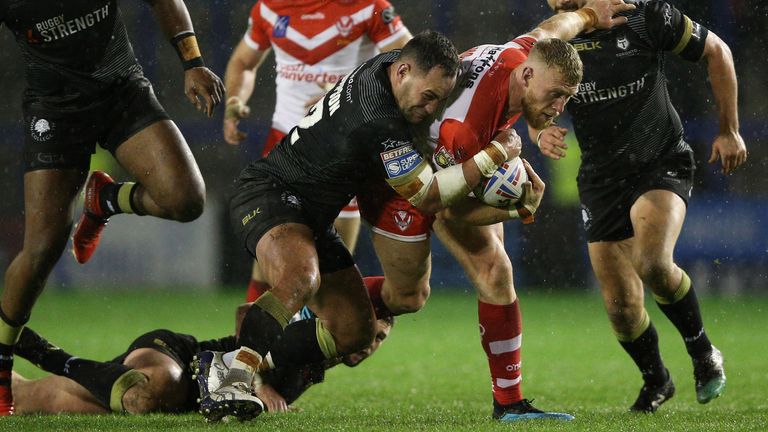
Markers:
(505, 186)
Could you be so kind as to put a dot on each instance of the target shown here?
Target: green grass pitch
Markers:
(432, 374)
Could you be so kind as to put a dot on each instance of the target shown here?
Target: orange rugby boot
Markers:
(93, 220)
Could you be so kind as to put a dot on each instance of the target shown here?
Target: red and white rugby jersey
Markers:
(477, 107)
(317, 42)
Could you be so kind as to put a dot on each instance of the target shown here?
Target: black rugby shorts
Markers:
(262, 203)
(605, 204)
(66, 139)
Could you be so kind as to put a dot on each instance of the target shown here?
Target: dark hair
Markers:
(429, 49)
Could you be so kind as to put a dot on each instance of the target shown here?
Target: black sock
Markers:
(645, 352)
(9, 334)
(100, 378)
(299, 345)
(48, 357)
(108, 199)
(259, 330)
(686, 317)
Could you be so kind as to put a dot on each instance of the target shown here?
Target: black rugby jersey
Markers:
(355, 135)
(622, 114)
(74, 50)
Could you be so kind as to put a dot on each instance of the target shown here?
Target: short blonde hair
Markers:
(559, 54)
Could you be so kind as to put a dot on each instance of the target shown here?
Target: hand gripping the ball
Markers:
(527, 205)
(510, 141)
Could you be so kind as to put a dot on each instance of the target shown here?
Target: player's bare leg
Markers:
(349, 230)
(168, 185)
(407, 267)
(52, 395)
(165, 388)
(289, 261)
(49, 197)
(622, 291)
(657, 218)
(480, 252)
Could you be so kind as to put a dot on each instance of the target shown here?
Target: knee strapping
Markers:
(127, 380)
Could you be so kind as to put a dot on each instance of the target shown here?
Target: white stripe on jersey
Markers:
(326, 35)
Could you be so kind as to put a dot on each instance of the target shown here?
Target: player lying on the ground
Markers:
(153, 375)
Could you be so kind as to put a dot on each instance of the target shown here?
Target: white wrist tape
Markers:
(452, 185)
(426, 178)
(486, 163)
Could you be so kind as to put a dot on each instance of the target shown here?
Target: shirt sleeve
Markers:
(523, 43)
(671, 30)
(257, 35)
(386, 26)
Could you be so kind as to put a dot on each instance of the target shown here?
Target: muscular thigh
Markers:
(657, 218)
(406, 264)
(480, 252)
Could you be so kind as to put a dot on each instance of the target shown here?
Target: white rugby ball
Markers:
(505, 186)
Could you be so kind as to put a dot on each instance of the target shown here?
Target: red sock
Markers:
(501, 334)
(374, 285)
(255, 290)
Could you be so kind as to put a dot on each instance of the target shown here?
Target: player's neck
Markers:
(515, 93)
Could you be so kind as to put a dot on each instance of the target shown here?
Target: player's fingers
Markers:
(531, 173)
(245, 111)
(615, 22)
(714, 155)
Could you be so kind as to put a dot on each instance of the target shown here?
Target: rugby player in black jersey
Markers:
(85, 86)
(636, 177)
(285, 204)
(155, 374)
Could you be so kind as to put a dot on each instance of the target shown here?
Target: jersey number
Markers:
(314, 115)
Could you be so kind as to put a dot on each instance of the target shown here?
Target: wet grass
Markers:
(432, 374)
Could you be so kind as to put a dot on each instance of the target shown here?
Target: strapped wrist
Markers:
(490, 158)
(589, 16)
(521, 212)
(185, 44)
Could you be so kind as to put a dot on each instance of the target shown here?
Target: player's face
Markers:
(565, 5)
(545, 97)
(418, 94)
(382, 332)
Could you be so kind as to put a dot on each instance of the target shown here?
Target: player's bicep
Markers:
(671, 30)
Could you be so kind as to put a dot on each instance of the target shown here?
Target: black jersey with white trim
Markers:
(623, 117)
(74, 50)
(355, 135)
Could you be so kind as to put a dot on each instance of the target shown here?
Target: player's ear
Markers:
(402, 70)
(527, 75)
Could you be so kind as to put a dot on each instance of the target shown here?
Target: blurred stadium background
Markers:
(724, 243)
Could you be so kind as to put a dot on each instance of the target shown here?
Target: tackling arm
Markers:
(595, 14)
(432, 192)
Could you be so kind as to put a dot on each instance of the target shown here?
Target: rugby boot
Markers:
(93, 220)
(709, 375)
(651, 397)
(6, 396)
(524, 410)
(209, 371)
(219, 398)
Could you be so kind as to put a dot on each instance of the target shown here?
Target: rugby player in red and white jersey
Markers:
(316, 43)
(535, 74)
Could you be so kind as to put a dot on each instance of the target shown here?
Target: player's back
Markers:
(316, 43)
